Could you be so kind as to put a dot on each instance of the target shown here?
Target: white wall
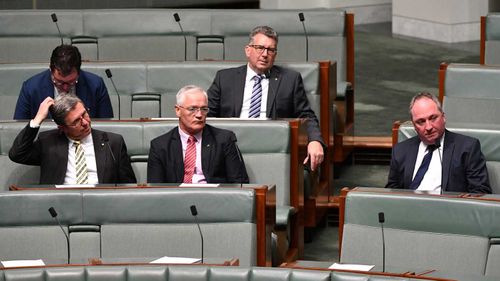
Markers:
(447, 21)
(365, 11)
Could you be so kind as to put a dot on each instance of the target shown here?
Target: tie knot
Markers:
(76, 143)
(431, 147)
(257, 78)
(191, 139)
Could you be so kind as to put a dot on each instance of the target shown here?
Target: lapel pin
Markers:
(102, 144)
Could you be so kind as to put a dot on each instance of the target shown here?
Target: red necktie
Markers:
(190, 160)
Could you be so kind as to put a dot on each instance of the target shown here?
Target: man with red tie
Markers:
(195, 152)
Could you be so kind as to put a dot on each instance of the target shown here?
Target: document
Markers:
(175, 260)
(20, 263)
(345, 266)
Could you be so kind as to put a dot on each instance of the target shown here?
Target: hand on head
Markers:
(315, 154)
(43, 110)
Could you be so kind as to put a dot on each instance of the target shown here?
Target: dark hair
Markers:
(425, 95)
(266, 30)
(64, 58)
(63, 104)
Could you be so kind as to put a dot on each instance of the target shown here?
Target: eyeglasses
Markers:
(260, 49)
(193, 110)
(79, 120)
(59, 83)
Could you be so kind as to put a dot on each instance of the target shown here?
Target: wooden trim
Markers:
(349, 34)
(395, 132)
(482, 43)
(265, 206)
(342, 198)
(442, 79)
(298, 152)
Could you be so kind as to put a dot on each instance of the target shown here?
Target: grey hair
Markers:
(181, 94)
(425, 95)
(63, 104)
(266, 30)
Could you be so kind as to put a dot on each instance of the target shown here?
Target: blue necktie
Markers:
(423, 167)
(256, 98)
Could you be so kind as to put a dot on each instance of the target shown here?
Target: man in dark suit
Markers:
(195, 152)
(74, 153)
(262, 90)
(63, 77)
(437, 159)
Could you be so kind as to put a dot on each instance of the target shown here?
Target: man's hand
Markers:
(315, 154)
(43, 110)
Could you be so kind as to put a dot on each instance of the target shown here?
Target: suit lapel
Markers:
(449, 146)
(410, 163)
(274, 81)
(239, 84)
(207, 147)
(177, 157)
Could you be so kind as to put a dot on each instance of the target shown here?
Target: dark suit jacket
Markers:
(220, 159)
(90, 89)
(50, 152)
(286, 97)
(464, 166)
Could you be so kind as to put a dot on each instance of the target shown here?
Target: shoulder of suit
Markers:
(218, 131)
(166, 136)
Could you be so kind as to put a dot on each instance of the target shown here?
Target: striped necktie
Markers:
(419, 176)
(81, 164)
(190, 160)
(256, 97)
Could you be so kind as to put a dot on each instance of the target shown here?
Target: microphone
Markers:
(54, 19)
(194, 212)
(106, 140)
(301, 18)
(110, 76)
(53, 213)
(241, 164)
(437, 143)
(178, 20)
(381, 220)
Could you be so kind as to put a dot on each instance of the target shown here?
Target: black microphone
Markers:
(381, 220)
(54, 19)
(178, 20)
(437, 144)
(241, 164)
(194, 212)
(53, 213)
(105, 139)
(110, 76)
(301, 18)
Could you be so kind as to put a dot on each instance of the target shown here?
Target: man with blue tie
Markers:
(436, 159)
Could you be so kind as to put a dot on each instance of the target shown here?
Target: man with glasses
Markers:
(64, 77)
(262, 90)
(74, 153)
(195, 152)
(436, 159)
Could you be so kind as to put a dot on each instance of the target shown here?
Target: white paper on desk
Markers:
(199, 185)
(175, 260)
(19, 263)
(345, 266)
(75, 185)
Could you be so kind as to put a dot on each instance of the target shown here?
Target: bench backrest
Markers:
(421, 231)
(129, 223)
(490, 39)
(136, 79)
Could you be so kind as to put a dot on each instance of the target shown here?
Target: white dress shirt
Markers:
(433, 176)
(247, 94)
(88, 147)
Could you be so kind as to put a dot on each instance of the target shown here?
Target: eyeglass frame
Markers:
(59, 83)
(193, 109)
(260, 49)
(78, 122)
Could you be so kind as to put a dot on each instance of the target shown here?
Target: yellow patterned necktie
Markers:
(81, 164)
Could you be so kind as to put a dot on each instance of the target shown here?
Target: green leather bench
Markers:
(202, 273)
(449, 234)
(490, 39)
(266, 146)
(136, 223)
